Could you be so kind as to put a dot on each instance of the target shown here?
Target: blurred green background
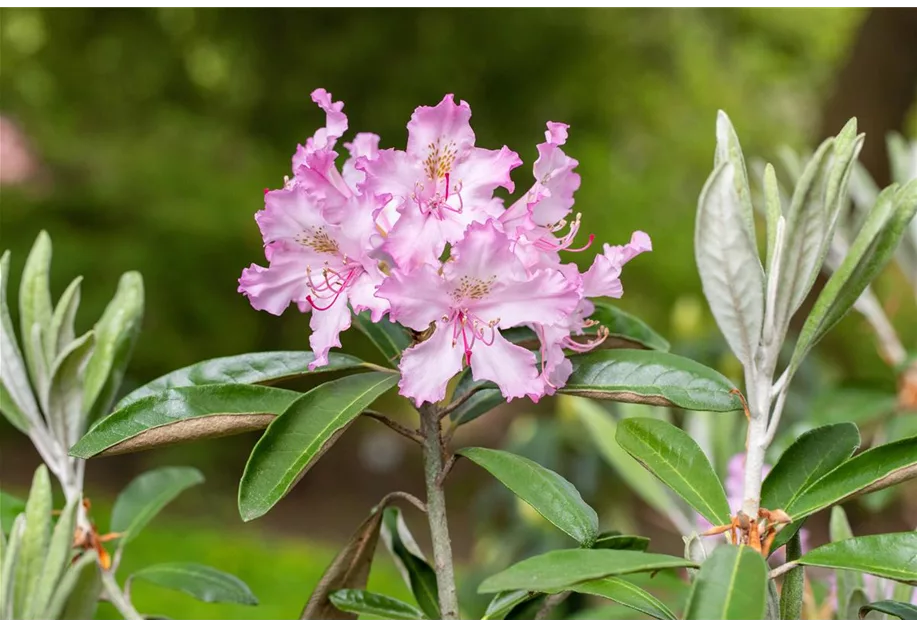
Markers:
(149, 136)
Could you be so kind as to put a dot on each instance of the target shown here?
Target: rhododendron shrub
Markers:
(474, 301)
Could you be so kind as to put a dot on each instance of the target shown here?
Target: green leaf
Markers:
(904, 611)
(727, 260)
(504, 602)
(201, 582)
(35, 540)
(813, 455)
(479, 404)
(875, 469)
(859, 406)
(731, 585)
(184, 414)
(773, 211)
(627, 594)
(602, 427)
(617, 541)
(65, 396)
(547, 492)
(390, 338)
(145, 496)
(10, 508)
(625, 330)
(677, 460)
(350, 569)
(56, 561)
(792, 592)
(261, 368)
(77, 594)
(35, 307)
(871, 250)
(372, 604)
(650, 378)
(300, 435)
(9, 569)
(847, 582)
(559, 570)
(889, 555)
(417, 573)
(116, 333)
(729, 150)
(17, 402)
(60, 332)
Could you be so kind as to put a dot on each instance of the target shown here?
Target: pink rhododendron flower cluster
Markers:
(419, 236)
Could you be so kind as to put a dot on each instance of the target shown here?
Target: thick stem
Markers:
(117, 597)
(793, 583)
(756, 443)
(436, 511)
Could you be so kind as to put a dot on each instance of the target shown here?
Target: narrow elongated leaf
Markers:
(807, 226)
(773, 212)
(372, 604)
(35, 308)
(35, 540)
(888, 555)
(677, 460)
(625, 330)
(299, 436)
(650, 378)
(390, 338)
(77, 594)
(847, 582)
(116, 333)
(602, 427)
(727, 259)
(729, 150)
(480, 403)
(202, 582)
(65, 397)
(262, 368)
(792, 592)
(627, 594)
(56, 561)
(875, 469)
(547, 492)
(904, 611)
(620, 542)
(504, 602)
(813, 455)
(8, 570)
(559, 570)
(350, 569)
(414, 568)
(184, 414)
(60, 332)
(731, 585)
(146, 495)
(17, 401)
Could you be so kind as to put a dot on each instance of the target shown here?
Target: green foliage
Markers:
(904, 611)
(889, 555)
(627, 594)
(731, 585)
(413, 566)
(146, 495)
(202, 582)
(372, 604)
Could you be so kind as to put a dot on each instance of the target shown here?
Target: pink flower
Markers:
(481, 289)
(440, 185)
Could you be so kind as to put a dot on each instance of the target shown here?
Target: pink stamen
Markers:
(582, 248)
(336, 290)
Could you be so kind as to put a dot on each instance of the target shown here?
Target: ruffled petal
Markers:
(554, 173)
(327, 325)
(483, 253)
(511, 367)
(547, 297)
(362, 294)
(288, 214)
(364, 146)
(436, 132)
(482, 172)
(427, 367)
(416, 240)
(417, 298)
(603, 277)
(272, 289)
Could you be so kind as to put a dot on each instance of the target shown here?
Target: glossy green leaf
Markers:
(184, 414)
(904, 611)
(389, 337)
(559, 570)
(17, 402)
(10, 507)
(547, 492)
(60, 331)
(624, 329)
(872, 470)
(485, 399)
(627, 594)
(813, 455)
(602, 426)
(889, 555)
(731, 585)
(77, 593)
(35, 308)
(146, 495)
(727, 259)
(116, 333)
(650, 378)
(65, 396)
(620, 542)
(300, 435)
(55, 562)
(504, 602)
(202, 582)
(262, 368)
(372, 604)
(35, 541)
(413, 566)
(677, 460)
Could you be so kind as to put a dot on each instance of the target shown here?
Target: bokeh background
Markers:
(143, 139)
